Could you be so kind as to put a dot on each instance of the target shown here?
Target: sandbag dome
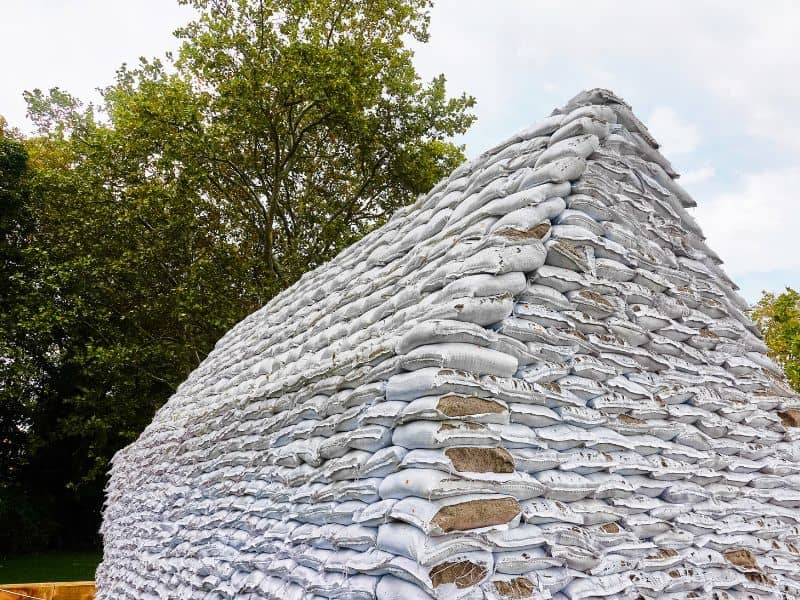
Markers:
(535, 382)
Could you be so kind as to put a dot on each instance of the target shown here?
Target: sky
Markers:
(715, 81)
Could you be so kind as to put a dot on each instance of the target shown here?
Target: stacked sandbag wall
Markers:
(536, 382)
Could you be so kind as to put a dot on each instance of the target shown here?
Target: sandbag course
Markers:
(535, 382)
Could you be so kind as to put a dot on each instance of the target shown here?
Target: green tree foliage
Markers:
(124, 284)
(779, 320)
(135, 233)
(306, 118)
(16, 369)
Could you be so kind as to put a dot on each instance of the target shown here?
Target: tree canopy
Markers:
(305, 120)
(778, 316)
(136, 232)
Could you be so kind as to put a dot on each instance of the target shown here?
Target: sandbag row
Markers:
(535, 382)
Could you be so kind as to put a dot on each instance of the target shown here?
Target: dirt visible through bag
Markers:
(463, 574)
(481, 460)
(475, 514)
(741, 558)
(790, 417)
(464, 406)
(515, 589)
(536, 232)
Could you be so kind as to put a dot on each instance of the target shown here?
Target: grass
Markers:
(41, 568)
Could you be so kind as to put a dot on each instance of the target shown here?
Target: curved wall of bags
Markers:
(535, 382)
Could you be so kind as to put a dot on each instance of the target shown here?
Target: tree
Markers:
(197, 189)
(123, 282)
(16, 371)
(779, 320)
(305, 119)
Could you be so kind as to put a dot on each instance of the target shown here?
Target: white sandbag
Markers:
(600, 586)
(375, 514)
(534, 460)
(546, 296)
(584, 461)
(567, 255)
(567, 168)
(405, 540)
(581, 387)
(542, 510)
(432, 484)
(444, 331)
(581, 219)
(558, 278)
(525, 197)
(565, 486)
(582, 145)
(613, 270)
(433, 381)
(579, 126)
(564, 437)
(541, 315)
(479, 206)
(431, 434)
(393, 588)
(629, 332)
(468, 459)
(461, 356)
(594, 511)
(598, 111)
(533, 415)
(483, 285)
(521, 537)
(456, 406)
(466, 513)
(383, 413)
(527, 218)
(484, 310)
(507, 259)
(370, 438)
(519, 562)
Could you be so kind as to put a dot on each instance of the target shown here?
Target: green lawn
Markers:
(40, 568)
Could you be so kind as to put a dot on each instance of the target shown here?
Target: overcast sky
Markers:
(715, 81)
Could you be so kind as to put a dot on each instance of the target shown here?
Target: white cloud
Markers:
(674, 134)
(78, 45)
(756, 74)
(550, 87)
(735, 61)
(755, 228)
(697, 176)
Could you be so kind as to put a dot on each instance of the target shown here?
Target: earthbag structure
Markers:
(535, 382)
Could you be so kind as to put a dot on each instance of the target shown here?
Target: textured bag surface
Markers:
(535, 382)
